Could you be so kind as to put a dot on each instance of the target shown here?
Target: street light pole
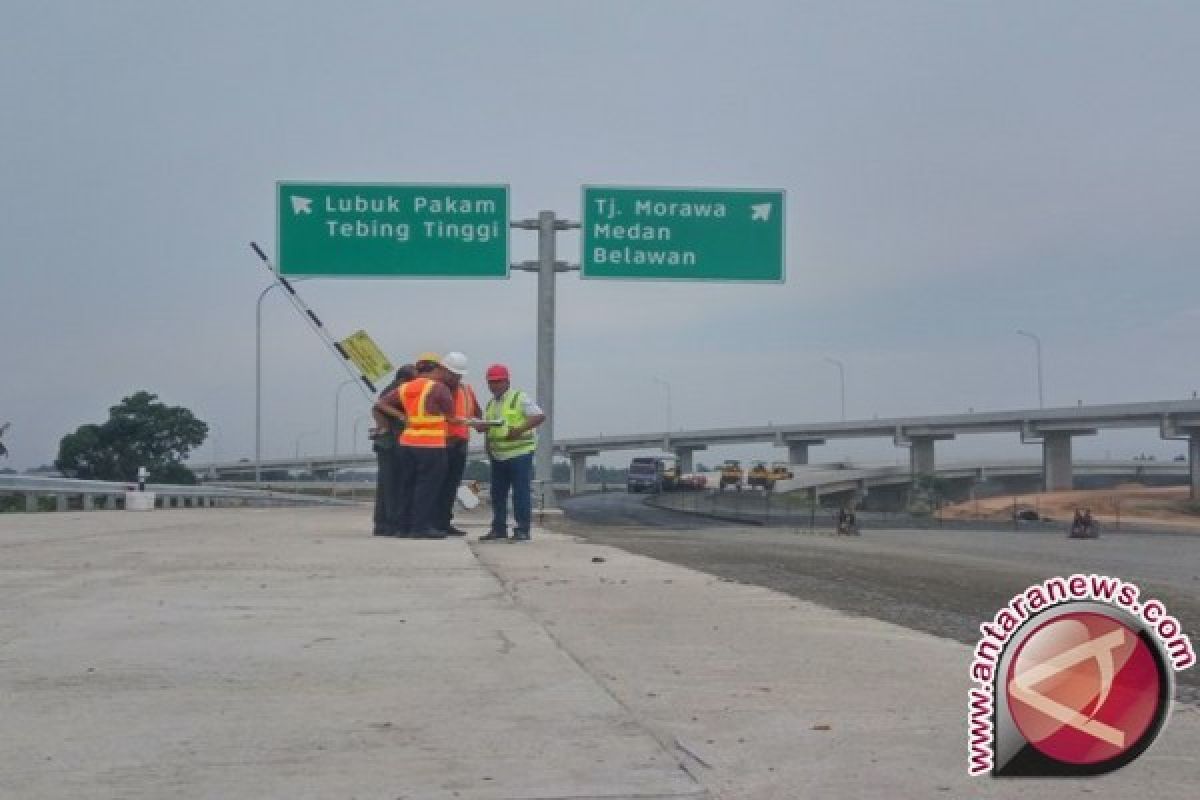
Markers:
(841, 381)
(668, 388)
(354, 444)
(337, 399)
(258, 383)
(215, 443)
(1037, 342)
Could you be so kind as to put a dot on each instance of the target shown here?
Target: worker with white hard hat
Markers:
(466, 406)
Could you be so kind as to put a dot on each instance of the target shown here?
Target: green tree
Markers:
(140, 432)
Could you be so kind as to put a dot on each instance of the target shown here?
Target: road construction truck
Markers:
(652, 474)
(644, 475)
(759, 477)
(731, 474)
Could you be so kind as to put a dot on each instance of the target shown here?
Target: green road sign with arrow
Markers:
(656, 233)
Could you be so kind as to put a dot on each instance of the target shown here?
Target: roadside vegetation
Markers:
(139, 432)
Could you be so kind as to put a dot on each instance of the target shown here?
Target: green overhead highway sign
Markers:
(683, 234)
(392, 230)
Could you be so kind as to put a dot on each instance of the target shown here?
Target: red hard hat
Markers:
(497, 372)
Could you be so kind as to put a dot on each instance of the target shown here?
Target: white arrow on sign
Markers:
(301, 205)
(762, 211)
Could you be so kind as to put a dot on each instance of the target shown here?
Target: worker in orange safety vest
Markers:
(427, 406)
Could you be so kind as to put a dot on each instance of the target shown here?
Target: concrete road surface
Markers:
(286, 654)
(943, 582)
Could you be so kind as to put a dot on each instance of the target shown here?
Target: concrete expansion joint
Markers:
(701, 794)
(666, 742)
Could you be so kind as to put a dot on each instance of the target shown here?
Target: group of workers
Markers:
(423, 421)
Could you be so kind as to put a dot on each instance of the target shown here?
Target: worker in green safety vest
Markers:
(510, 419)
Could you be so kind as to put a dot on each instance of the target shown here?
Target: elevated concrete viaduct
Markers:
(1052, 428)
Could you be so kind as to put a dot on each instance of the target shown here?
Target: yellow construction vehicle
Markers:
(781, 471)
(731, 474)
(670, 474)
(759, 476)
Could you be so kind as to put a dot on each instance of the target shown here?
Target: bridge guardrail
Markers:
(111, 494)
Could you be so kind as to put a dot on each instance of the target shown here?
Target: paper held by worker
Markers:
(490, 423)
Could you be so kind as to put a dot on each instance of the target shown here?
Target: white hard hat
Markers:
(456, 362)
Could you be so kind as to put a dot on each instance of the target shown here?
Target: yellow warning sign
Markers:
(366, 356)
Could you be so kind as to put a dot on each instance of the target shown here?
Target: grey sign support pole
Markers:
(547, 225)
(543, 459)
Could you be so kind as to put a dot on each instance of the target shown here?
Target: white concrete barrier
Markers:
(139, 501)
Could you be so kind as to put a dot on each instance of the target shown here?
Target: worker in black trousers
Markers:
(466, 406)
(385, 441)
(427, 407)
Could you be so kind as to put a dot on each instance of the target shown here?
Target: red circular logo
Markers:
(1084, 688)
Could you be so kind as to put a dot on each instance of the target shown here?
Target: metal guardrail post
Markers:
(545, 487)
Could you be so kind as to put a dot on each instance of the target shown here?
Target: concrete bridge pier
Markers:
(798, 449)
(1057, 472)
(1175, 428)
(1194, 462)
(684, 455)
(579, 469)
(921, 459)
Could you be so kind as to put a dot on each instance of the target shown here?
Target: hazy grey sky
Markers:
(955, 171)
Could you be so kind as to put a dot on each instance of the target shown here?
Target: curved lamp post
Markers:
(258, 382)
(354, 444)
(1037, 342)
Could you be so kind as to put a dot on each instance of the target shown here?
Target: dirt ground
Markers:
(1133, 503)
